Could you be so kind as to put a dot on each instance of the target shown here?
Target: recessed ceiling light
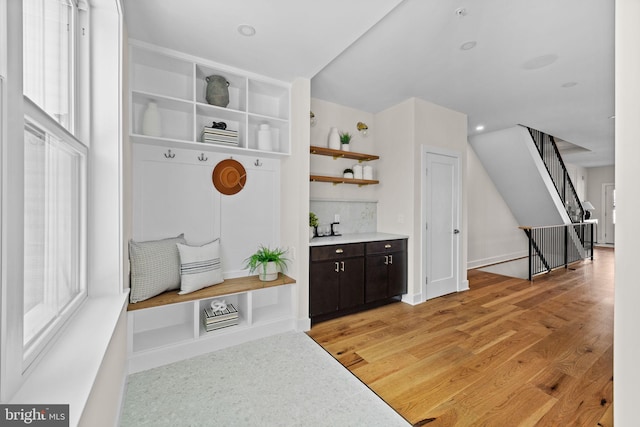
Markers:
(612, 117)
(468, 45)
(246, 30)
(480, 128)
(569, 84)
(540, 62)
(461, 11)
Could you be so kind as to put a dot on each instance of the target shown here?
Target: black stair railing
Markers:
(555, 246)
(548, 150)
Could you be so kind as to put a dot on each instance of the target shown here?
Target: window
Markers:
(54, 233)
(55, 64)
(48, 57)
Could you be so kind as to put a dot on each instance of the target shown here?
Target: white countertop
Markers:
(354, 238)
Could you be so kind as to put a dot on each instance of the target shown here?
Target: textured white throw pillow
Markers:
(155, 267)
(199, 266)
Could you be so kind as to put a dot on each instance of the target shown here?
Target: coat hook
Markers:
(169, 155)
(202, 158)
(258, 162)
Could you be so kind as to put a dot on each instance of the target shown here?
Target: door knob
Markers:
(456, 231)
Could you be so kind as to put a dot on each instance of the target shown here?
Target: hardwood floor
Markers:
(507, 352)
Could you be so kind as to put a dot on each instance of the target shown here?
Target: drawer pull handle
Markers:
(386, 260)
(342, 266)
(339, 251)
(337, 267)
(387, 246)
(390, 259)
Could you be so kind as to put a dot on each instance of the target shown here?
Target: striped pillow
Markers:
(199, 266)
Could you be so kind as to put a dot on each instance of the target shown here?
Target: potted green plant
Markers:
(267, 262)
(313, 225)
(345, 139)
(347, 173)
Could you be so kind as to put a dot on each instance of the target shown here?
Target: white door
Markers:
(441, 208)
(609, 226)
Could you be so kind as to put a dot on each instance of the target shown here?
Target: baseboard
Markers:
(414, 299)
(303, 325)
(496, 259)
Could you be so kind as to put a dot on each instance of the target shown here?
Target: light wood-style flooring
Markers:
(508, 352)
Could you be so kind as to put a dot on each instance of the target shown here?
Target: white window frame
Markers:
(40, 119)
(73, 136)
(93, 328)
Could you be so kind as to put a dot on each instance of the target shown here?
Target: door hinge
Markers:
(426, 225)
(426, 280)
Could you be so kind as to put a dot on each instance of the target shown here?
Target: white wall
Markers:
(578, 176)
(330, 115)
(520, 175)
(595, 178)
(626, 346)
(294, 224)
(405, 129)
(494, 235)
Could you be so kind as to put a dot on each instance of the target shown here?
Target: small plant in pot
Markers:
(267, 262)
(347, 173)
(313, 224)
(345, 139)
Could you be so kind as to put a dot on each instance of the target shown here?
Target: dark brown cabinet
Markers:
(352, 277)
(385, 269)
(336, 279)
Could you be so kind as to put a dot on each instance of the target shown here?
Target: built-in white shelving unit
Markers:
(177, 84)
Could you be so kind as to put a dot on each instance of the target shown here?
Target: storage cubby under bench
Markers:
(169, 327)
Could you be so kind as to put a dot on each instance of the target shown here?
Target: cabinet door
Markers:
(323, 287)
(351, 282)
(397, 274)
(376, 278)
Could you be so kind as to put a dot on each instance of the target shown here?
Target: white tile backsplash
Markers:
(355, 216)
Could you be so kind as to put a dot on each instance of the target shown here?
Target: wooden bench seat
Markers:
(228, 287)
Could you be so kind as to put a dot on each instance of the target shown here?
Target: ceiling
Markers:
(546, 64)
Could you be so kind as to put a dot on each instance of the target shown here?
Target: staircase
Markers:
(528, 171)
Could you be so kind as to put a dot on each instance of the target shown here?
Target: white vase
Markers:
(345, 147)
(311, 232)
(264, 138)
(151, 120)
(334, 139)
(347, 175)
(268, 272)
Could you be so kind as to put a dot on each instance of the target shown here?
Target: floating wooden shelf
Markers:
(336, 154)
(338, 180)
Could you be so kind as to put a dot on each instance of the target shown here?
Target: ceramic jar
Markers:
(334, 139)
(357, 171)
(217, 91)
(367, 172)
(264, 138)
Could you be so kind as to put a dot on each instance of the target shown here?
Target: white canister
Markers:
(264, 138)
(357, 171)
(151, 120)
(334, 139)
(367, 172)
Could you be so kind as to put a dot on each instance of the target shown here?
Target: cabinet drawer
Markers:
(386, 246)
(323, 253)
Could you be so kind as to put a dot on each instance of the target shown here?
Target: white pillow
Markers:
(199, 266)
